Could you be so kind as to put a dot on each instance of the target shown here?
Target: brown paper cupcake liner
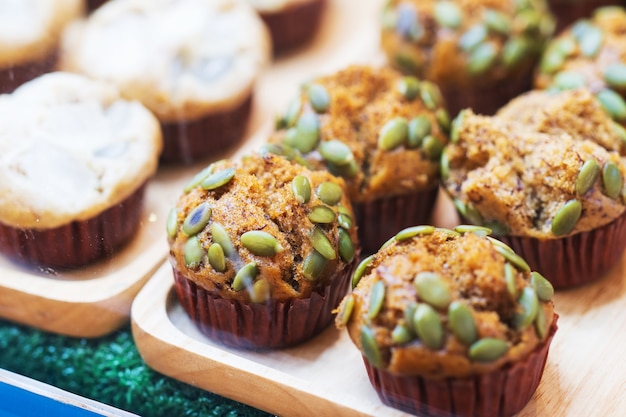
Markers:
(79, 242)
(13, 76)
(380, 219)
(567, 12)
(271, 325)
(293, 26)
(500, 393)
(190, 141)
(573, 260)
(94, 4)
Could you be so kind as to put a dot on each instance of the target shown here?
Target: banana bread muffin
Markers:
(30, 34)
(481, 53)
(193, 63)
(547, 173)
(74, 161)
(262, 250)
(379, 130)
(590, 53)
(450, 323)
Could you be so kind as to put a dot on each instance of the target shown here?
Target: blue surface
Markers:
(18, 402)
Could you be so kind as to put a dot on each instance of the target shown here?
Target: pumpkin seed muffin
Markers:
(380, 131)
(546, 173)
(450, 323)
(481, 53)
(30, 33)
(291, 23)
(193, 63)
(75, 158)
(262, 250)
(590, 53)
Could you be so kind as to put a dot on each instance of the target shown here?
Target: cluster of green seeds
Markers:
(258, 242)
(585, 40)
(436, 313)
(521, 33)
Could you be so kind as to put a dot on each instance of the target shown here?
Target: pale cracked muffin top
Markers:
(71, 147)
(547, 165)
(30, 30)
(442, 303)
(380, 131)
(183, 59)
(262, 227)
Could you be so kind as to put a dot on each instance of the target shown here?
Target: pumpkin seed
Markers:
(530, 304)
(171, 224)
(444, 164)
(344, 221)
(509, 279)
(401, 335)
(218, 179)
(345, 246)
(321, 214)
(411, 232)
(487, 349)
(566, 46)
(194, 252)
(261, 243)
(477, 230)
(220, 235)
(307, 133)
(514, 51)
(197, 219)
(496, 227)
(541, 323)
(319, 98)
(345, 310)
(406, 62)
(430, 95)
(543, 287)
(428, 326)
(620, 131)
(245, 276)
(497, 21)
(551, 61)
(291, 138)
(587, 175)
(313, 266)
(500, 244)
(579, 28)
(336, 152)
(449, 233)
(329, 192)
(512, 257)
(360, 270)
(432, 289)
(377, 299)
(260, 291)
(591, 41)
(461, 322)
(473, 37)
(612, 179)
(419, 128)
(301, 188)
(569, 80)
(482, 58)
(443, 118)
(615, 75)
(409, 87)
(217, 258)
(293, 111)
(613, 103)
(349, 170)
(566, 218)
(198, 178)
(448, 14)
(432, 147)
(393, 134)
(409, 314)
(370, 347)
(528, 19)
(456, 125)
(321, 244)
(472, 214)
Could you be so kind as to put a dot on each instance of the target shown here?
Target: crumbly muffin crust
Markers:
(439, 303)
(281, 230)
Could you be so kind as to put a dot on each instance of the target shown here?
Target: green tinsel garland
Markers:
(109, 370)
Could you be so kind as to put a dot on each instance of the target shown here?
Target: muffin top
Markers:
(181, 58)
(443, 303)
(382, 132)
(262, 227)
(547, 165)
(590, 53)
(31, 29)
(465, 43)
(71, 147)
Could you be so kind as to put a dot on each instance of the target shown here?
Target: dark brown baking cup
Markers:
(380, 219)
(574, 260)
(94, 4)
(500, 393)
(567, 12)
(271, 325)
(188, 141)
(293, 26)
(79, 242)
(13, 76)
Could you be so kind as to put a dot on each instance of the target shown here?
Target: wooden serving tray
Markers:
(585, 374)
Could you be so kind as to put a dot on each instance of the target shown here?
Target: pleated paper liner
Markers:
(13, 76)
